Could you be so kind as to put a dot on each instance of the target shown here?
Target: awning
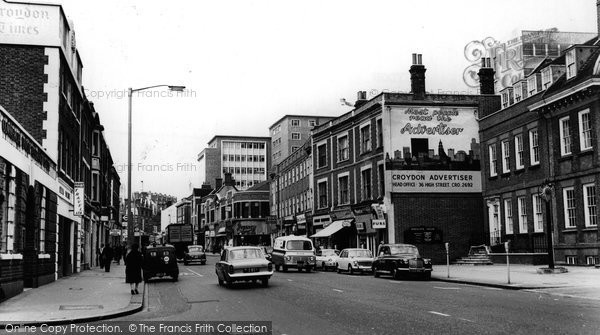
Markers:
(221, 230)
(333, 228)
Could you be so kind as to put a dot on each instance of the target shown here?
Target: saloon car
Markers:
(398, 259)
(355, 260)
(194, 253)
(327, 258)
(160, 261)
(244, 263)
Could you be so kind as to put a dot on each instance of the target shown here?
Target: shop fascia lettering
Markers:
(24, 143)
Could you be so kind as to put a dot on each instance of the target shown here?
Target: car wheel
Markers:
(338, 268)
(185, 262)
(220, 282)
(228, 283)
(426, 276)
(308, 269)
(285, 268)
(395, 274)
(265, 282)
(299, 269)
(175, 277)
(323, 268)
(203, 263)
(350, 269)
(375, 273)
(277, 267)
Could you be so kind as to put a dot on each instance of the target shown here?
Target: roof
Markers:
(238, 137)
(584, 73)
(301, 116)
(262, 186)
(292, 237)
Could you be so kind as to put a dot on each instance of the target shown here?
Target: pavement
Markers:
(521, 276)
(86, 296)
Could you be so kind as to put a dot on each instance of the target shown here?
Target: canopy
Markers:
(333, 228)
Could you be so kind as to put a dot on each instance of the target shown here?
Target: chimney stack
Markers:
(228, 180)
(361, 97)
(486, 77)
(417, 77)
(218, 183)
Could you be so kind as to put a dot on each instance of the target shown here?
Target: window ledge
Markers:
(520, 170)
(590, 228)
(505, 174)
(586, 152)
(493, 177)
(44, 256)
(534, 166)
(566, 157)
(11, 256)
(569, 230)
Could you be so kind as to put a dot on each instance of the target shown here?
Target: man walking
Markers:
(100, 255)
(107, 256)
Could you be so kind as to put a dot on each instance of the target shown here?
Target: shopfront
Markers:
(251, 232)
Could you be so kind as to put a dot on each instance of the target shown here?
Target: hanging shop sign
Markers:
(79, 199)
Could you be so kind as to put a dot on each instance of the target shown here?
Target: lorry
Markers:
(180, 236)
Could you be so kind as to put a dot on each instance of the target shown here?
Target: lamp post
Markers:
(545, 192)
(130, 231)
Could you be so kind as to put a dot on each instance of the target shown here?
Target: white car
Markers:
(327, 258)
(355, 260)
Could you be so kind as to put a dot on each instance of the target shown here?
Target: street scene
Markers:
(338, 167)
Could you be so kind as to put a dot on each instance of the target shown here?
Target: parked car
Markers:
(243, 264)
(397, 259)
(194, 253)
(293, 252)
(160, 261)
(355, 260)
(327, 258)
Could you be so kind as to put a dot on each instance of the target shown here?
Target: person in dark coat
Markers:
(107, 256)
(133, 268)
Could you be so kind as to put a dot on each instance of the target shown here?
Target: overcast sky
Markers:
(247, 63)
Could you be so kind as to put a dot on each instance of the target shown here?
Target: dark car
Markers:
(160, 261)
(397, 259)
(194, 253)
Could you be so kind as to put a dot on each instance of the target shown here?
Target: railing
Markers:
(495, 237)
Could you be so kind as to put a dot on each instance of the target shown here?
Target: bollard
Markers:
(507, 262)
(448, 258)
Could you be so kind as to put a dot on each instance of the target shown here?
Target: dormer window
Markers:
(507, 97)
(532, 87)
(570, 64)
(518, 92)
(546, 77)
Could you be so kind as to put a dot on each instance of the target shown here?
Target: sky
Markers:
(246, 63)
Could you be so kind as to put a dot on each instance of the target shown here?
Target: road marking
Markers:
(438, 313)
(289, 279)
(466, 320)
(396, 281)
(447, 288)
(492, 288)
(194, 272)
(335, 289)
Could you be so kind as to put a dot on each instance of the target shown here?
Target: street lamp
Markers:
(545, 192)
(130, 232)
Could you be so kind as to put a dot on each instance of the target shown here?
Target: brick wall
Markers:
(459, 216)
(22, 80)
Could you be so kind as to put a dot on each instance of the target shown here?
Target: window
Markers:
(534, 150)
(295, 136)
(565, 136)
(95, 186)
(294, 148)
(538, 217)
(492, 152)
(569, 207)
(589, 203)
(546, 77)
(508, 221)
(505, 157)
(96, 143)
(591, 260)
(322, 189)
(571, 260)
(522, 215)
(295, 123)
(518, 92)
(520, 158)
(366, 183)
(343, 149)
(585, 130)
(312, 123)
(8, 209)
(532, 85)
(322, 155)
(505, 101)
(343, 190)
(570, 63)
(381, 178)
(365, 139)
(379, 133)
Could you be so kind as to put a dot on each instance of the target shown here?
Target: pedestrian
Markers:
(118, 253)
(107, 256)
(99, 255)
(133, 268)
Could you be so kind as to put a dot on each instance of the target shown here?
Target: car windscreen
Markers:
(195, 249)
(328, 252)
(360, 253)
(245, 254)
(404, 250)
(299, 245)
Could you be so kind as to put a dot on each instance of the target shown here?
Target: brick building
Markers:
(69, 205)
(546, 132)
(403, 168)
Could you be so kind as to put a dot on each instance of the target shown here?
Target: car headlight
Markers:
(166, 259)
(401, 261)
(288, 258)
(312, 258)
(426, 260)
(231, 269)
(270, 267)
(329, 260)
(355, 263)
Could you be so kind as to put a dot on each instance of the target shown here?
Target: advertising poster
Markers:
(433, 149)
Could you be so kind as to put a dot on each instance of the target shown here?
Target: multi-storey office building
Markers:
(246, 158)
(403, 168)
(547, 133)
(290, 132)
(64, 216)
(292, 192)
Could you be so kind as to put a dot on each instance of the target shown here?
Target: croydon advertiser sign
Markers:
(433, 149)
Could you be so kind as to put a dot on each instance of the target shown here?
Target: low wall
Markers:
(520, 258)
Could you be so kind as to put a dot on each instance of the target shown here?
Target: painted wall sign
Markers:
(79, 199)
(432, 149)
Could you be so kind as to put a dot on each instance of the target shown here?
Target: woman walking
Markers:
(133, 268)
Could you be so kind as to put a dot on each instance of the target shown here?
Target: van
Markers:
(293, 252)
